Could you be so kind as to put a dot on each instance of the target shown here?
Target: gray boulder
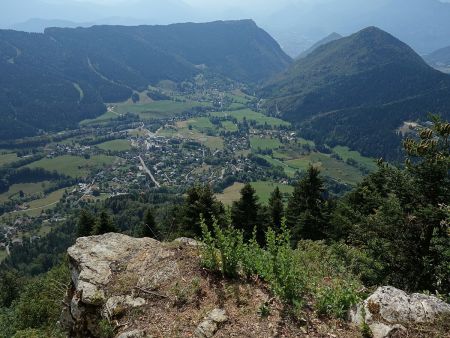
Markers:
(389, 310)
(209, 326)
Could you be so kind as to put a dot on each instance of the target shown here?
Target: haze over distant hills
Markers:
(422, 24)
(440, 59)
(358, 90)
(324, 41)
(296, 24)
(53, 80)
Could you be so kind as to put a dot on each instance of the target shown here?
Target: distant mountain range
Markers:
(440, 59)
(324, 41)
(422, 24)
(53, 80)
(358, 90)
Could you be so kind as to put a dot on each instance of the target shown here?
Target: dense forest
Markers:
(393, 228)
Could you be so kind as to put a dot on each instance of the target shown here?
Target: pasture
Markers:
(115, 145)
(251, 115)
(73, 166)
(345, 153)
(264, 143)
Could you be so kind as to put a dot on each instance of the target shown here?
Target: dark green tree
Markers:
(200, 201)
(400, 217)
(148, 227)
(276, 208)
(306, 213)
(10, 286)
(86, 224)
(244, 213)
(104, 224)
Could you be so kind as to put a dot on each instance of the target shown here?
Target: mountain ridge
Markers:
(330, 78)
(43, 73)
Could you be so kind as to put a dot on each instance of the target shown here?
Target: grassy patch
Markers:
(3, 255)
(116, 145)
(73, 166)
(46, 203)
(182, 131)
(8, 158)
(264, 143)
(106, 117)
(160, 109)
(230, 194)
(346, 154)
(26, 188)
(229, 126)
(263, 191)
(338, 170)
(290, 171)
(251, 115)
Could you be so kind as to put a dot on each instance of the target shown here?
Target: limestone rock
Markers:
(106, 270)
(133, 334)
(116, 305)
(210, 324)
(187, 241)
(389, 310)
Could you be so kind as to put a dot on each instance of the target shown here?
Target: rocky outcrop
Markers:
(127, 287)
(107, 273)
(390, 311)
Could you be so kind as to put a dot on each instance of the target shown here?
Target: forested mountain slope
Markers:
(358, 91)
(53, 80)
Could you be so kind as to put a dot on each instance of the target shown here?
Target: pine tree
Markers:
(148, 228)
(200, 202)
(86, 224)
(306, 211)
(104, 224)
(276, 208)
(244, 213)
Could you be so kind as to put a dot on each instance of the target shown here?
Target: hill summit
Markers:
(358, 90)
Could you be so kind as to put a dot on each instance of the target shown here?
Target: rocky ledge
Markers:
(128, 287)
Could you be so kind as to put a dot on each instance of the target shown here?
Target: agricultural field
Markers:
(290, 171)
(251, 115)
(46, 203)
(106, 117)
(263, 190)
(8, 158)
(345, 153)
(264, 143)
(27, 188)
(73, 166)
(338, 170)
(181, 130)
(229, 126)
(115, 145)
(159, 109)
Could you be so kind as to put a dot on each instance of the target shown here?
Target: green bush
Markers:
(222, 252)
(312, 269)
(336, 299)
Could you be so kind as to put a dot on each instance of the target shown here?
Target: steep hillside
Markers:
(358, 90)
(440, 59)
(324, 41)
(53, 80)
